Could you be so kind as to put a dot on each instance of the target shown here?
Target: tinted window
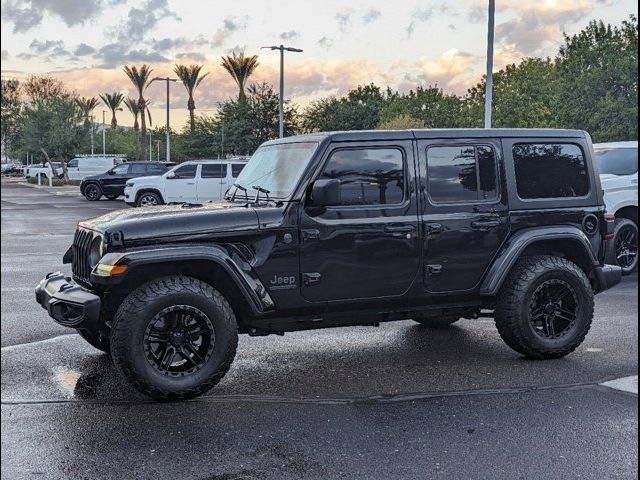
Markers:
(73, 164)
(138, 169)
(461, 173)
(213, 170)
(546, 170)
(368, 176)
(617, 161)
(236, 168)
(186, 171)
(155, 169)
(121, 169)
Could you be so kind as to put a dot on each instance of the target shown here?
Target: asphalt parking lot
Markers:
(398, 401)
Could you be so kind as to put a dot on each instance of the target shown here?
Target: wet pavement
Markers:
(397, 401)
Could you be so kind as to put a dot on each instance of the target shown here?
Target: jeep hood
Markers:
(171, 222)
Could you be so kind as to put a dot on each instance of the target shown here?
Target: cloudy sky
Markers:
(402, 44)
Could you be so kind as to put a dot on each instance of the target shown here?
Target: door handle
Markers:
(485, 224)
(399, 228)
(191, 183)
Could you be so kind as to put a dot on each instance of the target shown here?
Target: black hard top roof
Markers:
(366, 135)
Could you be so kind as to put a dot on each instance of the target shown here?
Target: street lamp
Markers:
(158, 145)
(488, 95)
(167, 79)
(150, 133)
(282, 49)
(104, 138)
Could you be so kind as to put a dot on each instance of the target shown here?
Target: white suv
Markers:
(618, 164)
(195, 181)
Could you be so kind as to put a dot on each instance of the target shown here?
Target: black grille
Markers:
(81, 245)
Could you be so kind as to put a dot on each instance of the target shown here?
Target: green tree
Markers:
(140, 77)
(240, 67)
(430, 105)
(598, 68)
(191, 79)
(132, 106)
(10, 110)
(401, 122)
(113, 102)
(525, 95)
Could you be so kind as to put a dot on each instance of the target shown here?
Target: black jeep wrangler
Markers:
(350, 228)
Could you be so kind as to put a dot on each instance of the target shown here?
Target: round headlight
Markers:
(96, 251)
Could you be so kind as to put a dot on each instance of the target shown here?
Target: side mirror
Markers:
(171, 175)
(326, 193)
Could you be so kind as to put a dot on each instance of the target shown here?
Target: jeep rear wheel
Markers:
(436, 321)
(92, 192)
(149, 199)
(174, 338)
(545, 307)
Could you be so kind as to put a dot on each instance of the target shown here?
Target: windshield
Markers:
(617, 161)
(276, 168)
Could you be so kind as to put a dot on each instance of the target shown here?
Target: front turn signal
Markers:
(109, 270)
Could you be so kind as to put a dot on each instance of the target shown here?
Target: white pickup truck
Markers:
(618, 164)
(196, 181)
(78, 167)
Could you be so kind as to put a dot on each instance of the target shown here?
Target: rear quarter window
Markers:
(550, 170)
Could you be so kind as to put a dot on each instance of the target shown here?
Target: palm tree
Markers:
(240, 68)
(191, 78)
(113, 101)
(132, 106)
(86, 105)
(140, 79)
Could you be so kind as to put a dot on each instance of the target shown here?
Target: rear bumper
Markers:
(67, 303)
(608, 276)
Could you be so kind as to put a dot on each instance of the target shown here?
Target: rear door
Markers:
(464, 211)
(367, 247)
(213, 176)
(114, 180)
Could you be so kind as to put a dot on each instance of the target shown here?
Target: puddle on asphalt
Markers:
(66, 380)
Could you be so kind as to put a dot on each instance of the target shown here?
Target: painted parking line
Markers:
(625, 384)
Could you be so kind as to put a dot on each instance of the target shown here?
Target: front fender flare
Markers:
(226, 257)
(517, 244)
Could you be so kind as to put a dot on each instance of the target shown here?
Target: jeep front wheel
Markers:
(92, 192)
(174, 338)
(149, 199)
(545, 307)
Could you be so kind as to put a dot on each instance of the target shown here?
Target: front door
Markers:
(182, 187)
(113, 183)
(367, 247)
(210, 183)
(465, 216)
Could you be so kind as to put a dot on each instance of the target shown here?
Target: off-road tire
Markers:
(135, 313)
(621, 225)
(141, 197)
(92, 192)
(512, 313)
(442, 321)
(96, 340)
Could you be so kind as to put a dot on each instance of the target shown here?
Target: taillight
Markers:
(610, 225)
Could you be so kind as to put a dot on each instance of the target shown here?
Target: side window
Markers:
(236, 168)
(121, 169)
(155, 169)
(368, 176)
(73, 164)
(138, 169)
(213, 170)
(186, 171)
(550, 170)
(462, 173)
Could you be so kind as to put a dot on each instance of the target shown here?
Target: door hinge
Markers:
(434, 269)
(311, 278)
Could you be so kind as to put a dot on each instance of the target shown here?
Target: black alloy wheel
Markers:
(626, 246)
(179, 340)
(553, 309)
(92, 192)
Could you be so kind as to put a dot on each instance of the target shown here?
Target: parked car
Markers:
(12, 167)
(618, 165)
(196, 181)
(43, 170)
(342, 229)
(111, 183)
(87, 165)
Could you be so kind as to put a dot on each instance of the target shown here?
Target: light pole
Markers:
(158, 146)
(167, 79)
(282, 49)
(92, 135)
(150, 133)
(488, 95)
(104, 138)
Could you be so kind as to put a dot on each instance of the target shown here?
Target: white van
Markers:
(86, 165)
(196, 181)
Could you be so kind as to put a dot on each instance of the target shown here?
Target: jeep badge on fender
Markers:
(347, 228)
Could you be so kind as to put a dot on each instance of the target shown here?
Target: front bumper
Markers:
(67, 303)
(608, 276)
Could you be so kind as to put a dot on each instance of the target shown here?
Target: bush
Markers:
(56, 182)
